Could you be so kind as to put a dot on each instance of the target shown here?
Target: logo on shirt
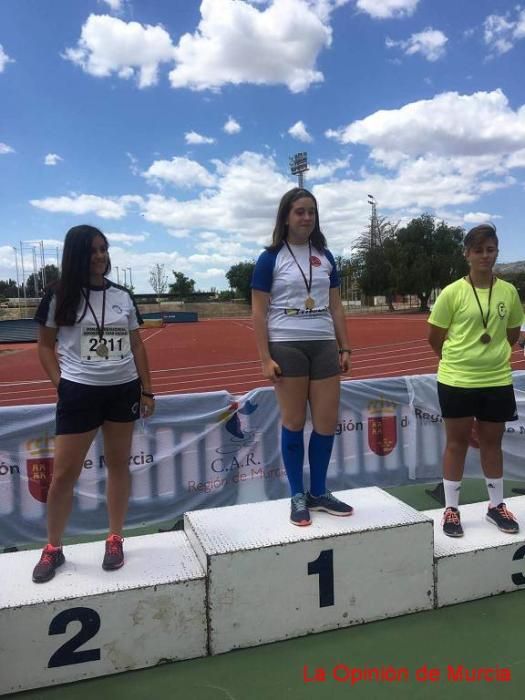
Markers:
(502, 309)
(117, 308)
(314, 260)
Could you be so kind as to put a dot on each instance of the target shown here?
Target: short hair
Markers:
(479, 234)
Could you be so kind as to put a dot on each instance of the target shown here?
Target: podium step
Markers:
(87, 622)
(270, 580)
(484, 561)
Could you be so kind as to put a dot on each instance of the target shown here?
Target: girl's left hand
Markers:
(147, 406)
(345, 362)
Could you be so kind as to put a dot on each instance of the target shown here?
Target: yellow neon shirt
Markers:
(465, 360)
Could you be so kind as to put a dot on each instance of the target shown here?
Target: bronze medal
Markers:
(485, 338)
(309, 303)
(102, 350)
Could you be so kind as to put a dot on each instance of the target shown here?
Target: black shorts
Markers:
(82, 407)
(494, 404)
(316, 359)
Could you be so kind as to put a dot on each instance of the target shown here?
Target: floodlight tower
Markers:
(298, 166)
(373, 220)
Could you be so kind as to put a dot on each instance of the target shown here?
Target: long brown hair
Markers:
(74, 275)
(280, 231)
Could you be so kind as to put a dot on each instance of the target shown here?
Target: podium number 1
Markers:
(324, 566)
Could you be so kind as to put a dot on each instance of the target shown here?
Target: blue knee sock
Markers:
(292, 448)
(319, 453)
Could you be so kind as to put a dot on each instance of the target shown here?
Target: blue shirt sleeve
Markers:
(334, 275)
(262, 277)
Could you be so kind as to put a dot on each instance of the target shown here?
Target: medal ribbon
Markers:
(308, 283)
(100, 326)
(485, 321)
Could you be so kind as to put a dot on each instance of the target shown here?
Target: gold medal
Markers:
(309, 303)
(485, 338)
(102, 350)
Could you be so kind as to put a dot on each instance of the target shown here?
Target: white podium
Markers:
(484, 561)
(268, 579)
(87, 622)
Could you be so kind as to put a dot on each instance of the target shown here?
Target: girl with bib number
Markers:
(90, 348)
(300, 331)
(473, 326)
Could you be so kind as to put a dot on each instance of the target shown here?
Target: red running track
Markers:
(220, 354)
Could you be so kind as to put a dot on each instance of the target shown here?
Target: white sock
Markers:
(452, 489)
(495, 491)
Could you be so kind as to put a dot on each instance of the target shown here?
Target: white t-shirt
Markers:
(278, 274)
(76, 345)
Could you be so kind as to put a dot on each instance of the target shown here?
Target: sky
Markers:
(169, 124)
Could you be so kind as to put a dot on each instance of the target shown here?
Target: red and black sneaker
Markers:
(503, 519)
(50, 560)
(452, 522)
(114, 556)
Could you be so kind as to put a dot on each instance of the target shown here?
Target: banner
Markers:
(213, 449)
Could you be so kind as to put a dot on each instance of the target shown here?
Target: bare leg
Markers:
(117, 450)
(70, 453)
(324, 404)
(292, 395)
(458, 432)
(490, 436)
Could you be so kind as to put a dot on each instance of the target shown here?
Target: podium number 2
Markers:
(324, 566)
(68, 654)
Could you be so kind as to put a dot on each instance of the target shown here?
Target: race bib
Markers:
(115, 340)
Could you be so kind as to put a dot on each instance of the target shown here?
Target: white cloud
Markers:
(326, 169)
(479, 217)
(517, 160)
(4, 149)
(237, 43)
(194, 138)
(430, 43)
(448, 124)
(383, 9)
(104, 207)
(299, 131)
(501, 32)
(232, 126)
(52, 159)
(4, 59)
(108, 45)
(248, 187)
(126, 239)
(181, 172)
(114, 5)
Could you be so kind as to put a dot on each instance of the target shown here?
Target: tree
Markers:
(8, 288)
(376, 261)
(158, 279)
(183, 286)
(239, 278)
(430, 257)
(34, 285)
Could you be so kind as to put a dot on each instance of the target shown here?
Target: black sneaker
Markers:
(452, 523)
(503, 519)
(114, 556)
(329, 504)
(50, 560)
(299, 514)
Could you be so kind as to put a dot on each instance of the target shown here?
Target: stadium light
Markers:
(298, 166)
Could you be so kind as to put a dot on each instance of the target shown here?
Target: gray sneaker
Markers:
(329, 504)
(299, 514)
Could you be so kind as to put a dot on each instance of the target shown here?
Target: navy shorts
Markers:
(316, 359)
(494, 404)
(82, 407)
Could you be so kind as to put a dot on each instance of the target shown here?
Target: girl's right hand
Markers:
(271, 370)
